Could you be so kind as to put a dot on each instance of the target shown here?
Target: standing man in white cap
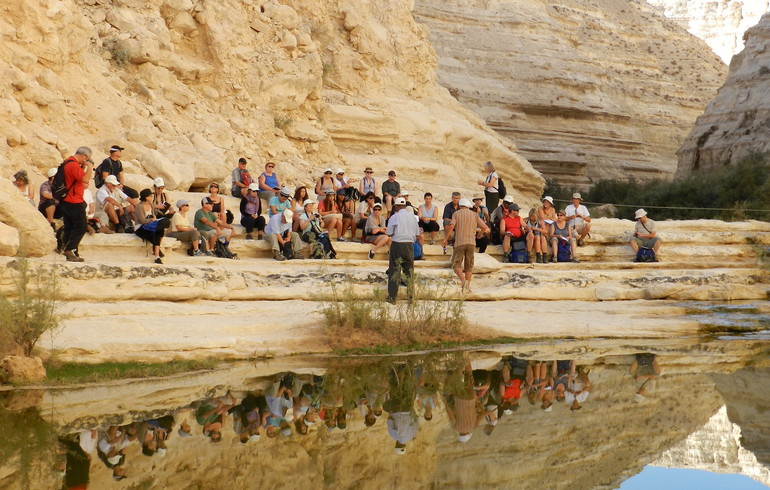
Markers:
(464, 223)
(645, 233)
(579, 218)
(403, 231)
(113, 166)
(278, 233)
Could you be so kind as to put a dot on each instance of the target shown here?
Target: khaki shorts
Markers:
(463, 253)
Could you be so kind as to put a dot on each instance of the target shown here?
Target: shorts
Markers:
(462, 256)
(646, 242)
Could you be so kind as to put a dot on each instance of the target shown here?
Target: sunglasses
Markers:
(370, 199)
(560, 214)
(213, 187)
(369, 172)
(327, 173)
(271, 166)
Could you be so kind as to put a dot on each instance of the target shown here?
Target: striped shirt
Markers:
(465, 223)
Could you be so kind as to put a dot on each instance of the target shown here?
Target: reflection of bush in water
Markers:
(26, 439)
(352, 319)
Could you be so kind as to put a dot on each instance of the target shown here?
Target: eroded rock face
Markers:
(188, 88)
(24, 229)
(735, 123)
(720, 23)
(587, 90)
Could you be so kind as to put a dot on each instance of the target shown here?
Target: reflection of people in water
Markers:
(78, 463)
(645, 370)
(402, 421)
(539, 382)
(211, 415)
(247, 419)
(511, 383)
(564, 372)
(578, 390)
(153, 434)
(462, 406)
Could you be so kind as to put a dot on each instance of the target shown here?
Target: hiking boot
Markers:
(575, 260)
(371, 254)
(71, 257)
(208, 253)
(249, 237)
(341, 239)
(158, 261)
(278, 256)
(506, 258)
(197, 253)
(161, 254)
(531, 258)
(581, 242)
(553, 259)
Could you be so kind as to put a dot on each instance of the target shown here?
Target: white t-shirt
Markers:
(489, 178)
(88, 198)
(571, 210)
(103, 193)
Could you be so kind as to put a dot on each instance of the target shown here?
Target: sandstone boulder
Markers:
(9, 240)
(484, 264)
(34, 234)
(20, 370)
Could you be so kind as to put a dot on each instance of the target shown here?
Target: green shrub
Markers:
(31, 311)
(736, 188)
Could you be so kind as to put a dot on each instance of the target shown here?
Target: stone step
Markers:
(208, 278)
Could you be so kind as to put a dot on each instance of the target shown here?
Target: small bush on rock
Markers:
(30, 311)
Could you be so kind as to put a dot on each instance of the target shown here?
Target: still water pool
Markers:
(560, 414)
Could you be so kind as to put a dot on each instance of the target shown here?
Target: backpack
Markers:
(98, 180)
(222, 250)
(417, 251)
(645, 255)
(518, 253)
(563, 254)
(320, 245)
(59, 187)
(501, 190)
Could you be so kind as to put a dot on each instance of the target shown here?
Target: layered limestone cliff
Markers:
(587, 90)
(720, 23)
(188, 87)
(737, 122)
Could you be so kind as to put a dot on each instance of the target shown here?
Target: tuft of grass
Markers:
(355, 321)
(428, 346)
(117, 50)
(282, 121)
(76, 373)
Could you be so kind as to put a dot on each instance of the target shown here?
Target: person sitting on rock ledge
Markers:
(645, 233)
(208, 225)
(116, 204)
(284, 243)
(579, 217)
(181, 228)
(251, 212)
(48, 204)
(513, 230)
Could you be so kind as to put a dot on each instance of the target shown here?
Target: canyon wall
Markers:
(587, 90)
(737, 122)
(720, 23)
(188, 87)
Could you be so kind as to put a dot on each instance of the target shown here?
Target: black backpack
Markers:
(59, 187)
(222, 250)
(501, 190)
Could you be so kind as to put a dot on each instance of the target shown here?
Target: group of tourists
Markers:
(304, 221)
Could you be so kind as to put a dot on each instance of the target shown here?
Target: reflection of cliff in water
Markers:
(614, 434)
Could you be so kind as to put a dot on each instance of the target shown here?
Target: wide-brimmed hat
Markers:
(577, 196)
(549, 199)
(508, 198)
(285, 192)
(640, 213)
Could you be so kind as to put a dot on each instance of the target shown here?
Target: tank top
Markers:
(367, 185)
(489, 178)
(271, 180)
(563, 232)
(327, 187)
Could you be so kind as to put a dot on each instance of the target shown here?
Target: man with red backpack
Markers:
(78, 170)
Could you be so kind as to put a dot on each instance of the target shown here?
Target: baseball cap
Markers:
(340, 171)
(114, 148)
(52, 171)
(508, 198)
(159, 182)
(206, 200)
(513, 207)
(288, 214)
(400, 201)
(111, 179)
(242, 160)
(253, 186)
(285, 192)
(181, 203)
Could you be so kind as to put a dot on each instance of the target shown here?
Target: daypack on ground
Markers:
(645, 255)
(221, 249)
(518, 253)
(564, 252)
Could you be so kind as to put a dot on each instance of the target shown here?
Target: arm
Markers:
(262, 185)
(318, 186)
(480, 223)
(447, 232)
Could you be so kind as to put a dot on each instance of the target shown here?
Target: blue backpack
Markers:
(564, 252)
(645, 255)
(417, 251)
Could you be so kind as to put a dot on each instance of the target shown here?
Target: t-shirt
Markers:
(45, 187)
(103, 193)
(279, 206)
(239, 175)
(276, 226)
(392, 188)
(572, 211)
(178, 220)
(73, 179)
(88, 198)
(646, 228)
(363, 208)
(449, 210)
(278, 405)
(489, 178)
(200, 225)
(113, 167)
(513, 225)
(466, 222)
